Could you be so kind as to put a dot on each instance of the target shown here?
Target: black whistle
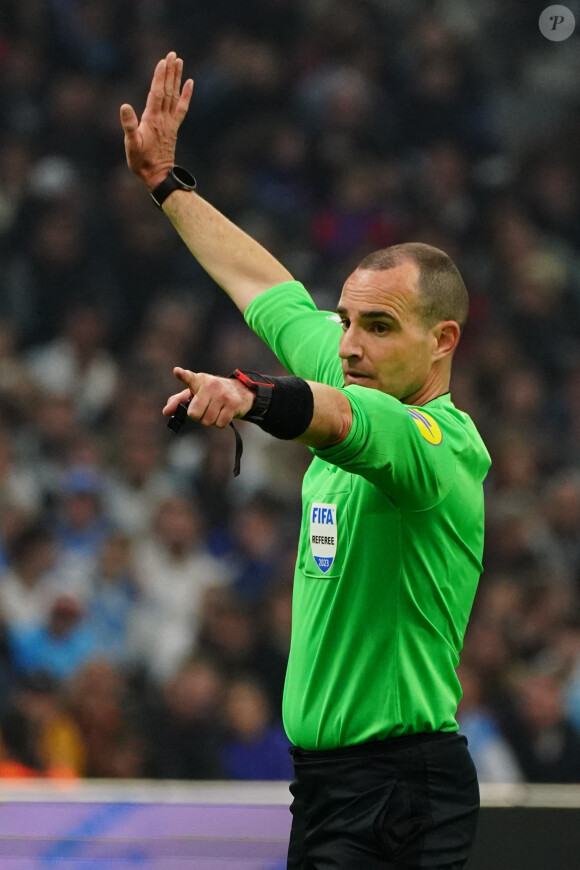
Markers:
(177, 420)
(180, 417)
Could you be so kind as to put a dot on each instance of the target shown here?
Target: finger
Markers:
(176, 90)
(168, 81)
(190, 379)
(224, 418)
(198, 407)
(184, 101)
(216, 413)
(157, 89)
(133, 136)
(173, 401)
(129, 120)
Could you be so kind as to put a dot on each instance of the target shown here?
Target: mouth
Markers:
(354, 377)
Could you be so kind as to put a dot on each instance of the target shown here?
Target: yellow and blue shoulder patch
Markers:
(427, 426)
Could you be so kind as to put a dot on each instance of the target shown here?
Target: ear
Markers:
(446, 334)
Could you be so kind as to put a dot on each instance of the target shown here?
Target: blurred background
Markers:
(145, 593)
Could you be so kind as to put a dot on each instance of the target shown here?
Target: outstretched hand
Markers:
(214, 401)
(150, 143)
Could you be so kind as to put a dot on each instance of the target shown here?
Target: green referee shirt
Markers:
(390, 550)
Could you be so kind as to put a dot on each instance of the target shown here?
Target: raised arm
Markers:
(241, 266)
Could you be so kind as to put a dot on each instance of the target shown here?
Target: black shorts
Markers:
(408, 803)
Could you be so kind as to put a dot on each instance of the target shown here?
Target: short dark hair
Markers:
(443, 293)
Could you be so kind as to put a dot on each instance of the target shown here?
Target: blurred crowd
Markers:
(145, 592)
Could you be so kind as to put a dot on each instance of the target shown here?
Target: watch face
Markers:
(184, 177)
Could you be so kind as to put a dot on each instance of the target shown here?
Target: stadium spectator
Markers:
(254, 746)
(138, 480)
(229, 633)
(257, 548)
(25, 586)
(110, 720)
(59, 646)
(110, 600)
(275, 627)
(58, 741)
(81, 524)
(16, 386)
(185, 724)
(492, 754)
(18, 485)
(561, 506)
(542, 737)
(173, 572)
(78, 364)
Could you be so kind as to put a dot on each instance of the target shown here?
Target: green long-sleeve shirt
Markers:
(390, 550)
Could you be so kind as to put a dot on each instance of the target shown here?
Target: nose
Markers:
(350, 346)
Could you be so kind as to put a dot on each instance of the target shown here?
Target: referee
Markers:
(392, 528)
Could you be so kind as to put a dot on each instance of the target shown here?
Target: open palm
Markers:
(150, 143)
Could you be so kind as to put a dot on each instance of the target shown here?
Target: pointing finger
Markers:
(190, 379)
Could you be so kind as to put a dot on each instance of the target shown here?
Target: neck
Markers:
(436, 385)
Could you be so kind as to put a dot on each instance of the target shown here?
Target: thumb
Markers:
(190, 379)
(128, 119)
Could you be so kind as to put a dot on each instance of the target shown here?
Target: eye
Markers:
(344, 323)
(380, 328)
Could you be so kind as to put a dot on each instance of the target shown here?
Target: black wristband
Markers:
(283, 406)
(177, 179)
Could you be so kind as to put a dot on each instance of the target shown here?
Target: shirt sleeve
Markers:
(390, 446)
(303, 338)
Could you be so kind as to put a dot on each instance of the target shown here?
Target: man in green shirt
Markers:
(392, 528)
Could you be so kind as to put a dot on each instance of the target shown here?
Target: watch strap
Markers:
(177, 179)
(262, 387)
